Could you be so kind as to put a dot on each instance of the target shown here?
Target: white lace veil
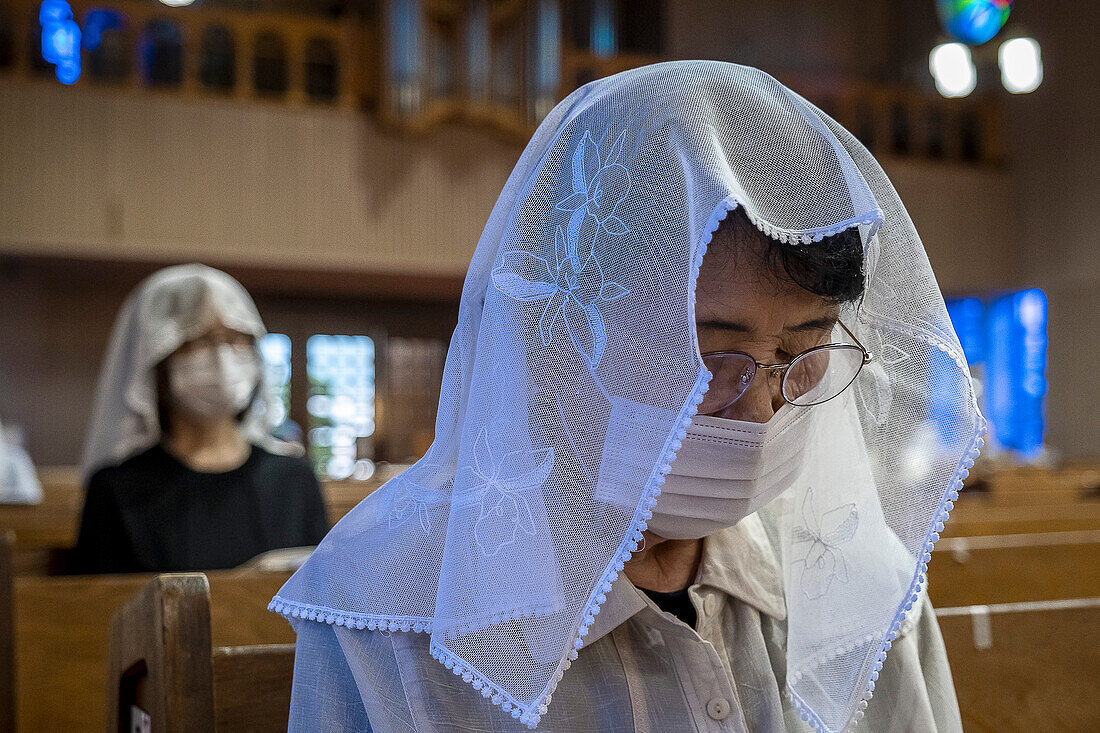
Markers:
(574, 372)
(18, 480)
(167, 309)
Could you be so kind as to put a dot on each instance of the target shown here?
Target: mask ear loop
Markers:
(641, 546)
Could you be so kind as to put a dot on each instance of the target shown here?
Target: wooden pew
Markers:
(342, 496)
(164, 662)
(1033, 485)
(61, 638)
(1027, 666)
(1013, 568)
(7, 643)
(1016, 501)
(1017, 667)
(1022, 500)
(40, 529)
(975, 516)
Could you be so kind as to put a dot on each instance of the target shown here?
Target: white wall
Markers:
(121, 175)
(1055, 153)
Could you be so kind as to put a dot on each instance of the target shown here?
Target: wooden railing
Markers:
(218, 53)
(298, 59)
(905, 122)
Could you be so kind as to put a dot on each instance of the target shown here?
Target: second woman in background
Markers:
(181, 469)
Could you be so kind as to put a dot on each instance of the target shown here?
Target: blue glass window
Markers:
(602, 30)
(545, 59)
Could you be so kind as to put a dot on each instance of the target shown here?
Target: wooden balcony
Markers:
(209, 53)
(475, 61)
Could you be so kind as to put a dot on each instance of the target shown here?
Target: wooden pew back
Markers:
(162, 661)
(7, 631)
(61, 638)
(1014, 568)
(40, 529)
(1026, 667)
(1018, 500)
(43, 532)
(239, 671)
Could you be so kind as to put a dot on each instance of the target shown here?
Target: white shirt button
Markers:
(718, 708)
(710, 604)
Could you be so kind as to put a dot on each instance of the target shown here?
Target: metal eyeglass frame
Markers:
(783, 368)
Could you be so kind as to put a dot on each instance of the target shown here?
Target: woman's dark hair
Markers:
(831, 268)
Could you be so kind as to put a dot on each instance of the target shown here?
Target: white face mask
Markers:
(727, 469)
(214, 381)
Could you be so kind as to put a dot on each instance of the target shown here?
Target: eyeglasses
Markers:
(236, 339)
(816, 375)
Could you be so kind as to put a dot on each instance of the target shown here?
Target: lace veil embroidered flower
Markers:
(574, 371)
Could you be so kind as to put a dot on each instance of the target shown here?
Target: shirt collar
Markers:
(623, 601)
(739, 561)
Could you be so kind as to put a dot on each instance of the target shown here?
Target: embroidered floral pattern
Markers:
(824, 561)
(874, 389)
(499, 487)
(572, 293)
(599, 186)
(891, 355)
(575, 285)
(413, 500)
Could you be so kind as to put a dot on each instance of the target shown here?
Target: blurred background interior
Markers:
(340, 157)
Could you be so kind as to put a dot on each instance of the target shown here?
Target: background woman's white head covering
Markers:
(169, 308)
(18, 480)
(574, 372)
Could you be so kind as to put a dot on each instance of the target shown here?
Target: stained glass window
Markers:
(403, 33)
(545, 70)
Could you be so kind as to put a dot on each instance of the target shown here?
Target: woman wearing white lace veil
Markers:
(181, 470)
(666, 507)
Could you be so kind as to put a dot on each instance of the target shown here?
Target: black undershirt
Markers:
(153, 513)
(677, 603)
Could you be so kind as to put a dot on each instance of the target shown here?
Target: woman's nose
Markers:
(760, 401)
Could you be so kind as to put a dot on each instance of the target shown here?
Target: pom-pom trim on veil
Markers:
(915, 587)
(531, 715)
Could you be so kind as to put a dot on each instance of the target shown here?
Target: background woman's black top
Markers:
(152, 513)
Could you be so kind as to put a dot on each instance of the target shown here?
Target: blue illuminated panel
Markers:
(1016, 370)
(1005, 343)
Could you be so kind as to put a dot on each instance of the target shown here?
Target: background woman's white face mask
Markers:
(216, 381)
(727, 469)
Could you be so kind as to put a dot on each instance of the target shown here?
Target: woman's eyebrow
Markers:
(825, 323)
(723, 326)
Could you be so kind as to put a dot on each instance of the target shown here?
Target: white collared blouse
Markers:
(641, 669)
